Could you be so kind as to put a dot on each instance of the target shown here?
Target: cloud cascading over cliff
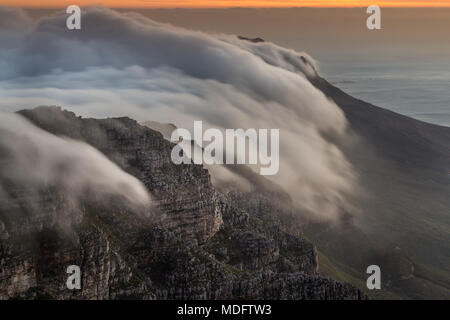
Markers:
(37, 160)
(125, 64)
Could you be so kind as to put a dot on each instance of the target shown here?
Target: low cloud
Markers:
(125, 64)
(33, 160)
(14, 19)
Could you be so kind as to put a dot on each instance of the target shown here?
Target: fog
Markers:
(35, 160)
(124, 64)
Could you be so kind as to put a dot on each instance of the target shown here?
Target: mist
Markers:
(124, 64)
(34, 161)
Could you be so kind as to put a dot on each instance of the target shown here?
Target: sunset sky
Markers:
(228, 3)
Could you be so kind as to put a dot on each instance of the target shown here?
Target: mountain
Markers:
(357, 186)
(197, 243)
(205, 240)
(401, 219)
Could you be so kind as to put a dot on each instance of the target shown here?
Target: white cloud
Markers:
(125, 64)
(36, 160)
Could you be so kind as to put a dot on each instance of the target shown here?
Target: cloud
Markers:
(126, 64)
(14, 19)
(35, 161)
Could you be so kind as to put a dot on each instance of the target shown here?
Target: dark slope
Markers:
(395, 136)
(404, 170)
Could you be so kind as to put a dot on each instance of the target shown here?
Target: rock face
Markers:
(198, 244)
(254, 40)
(184, 193)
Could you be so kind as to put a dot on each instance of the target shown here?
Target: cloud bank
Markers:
(123, 64)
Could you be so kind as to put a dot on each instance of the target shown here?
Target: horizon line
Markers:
(235, 7)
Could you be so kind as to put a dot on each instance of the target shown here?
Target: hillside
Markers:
(404, 170)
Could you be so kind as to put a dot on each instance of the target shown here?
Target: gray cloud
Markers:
(125, 64)
(14, 19)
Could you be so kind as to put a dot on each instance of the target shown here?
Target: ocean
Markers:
(419, 90)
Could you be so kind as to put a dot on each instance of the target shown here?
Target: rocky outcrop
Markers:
(184, 193)
(295, 286)
(254, 40)
(198, 244)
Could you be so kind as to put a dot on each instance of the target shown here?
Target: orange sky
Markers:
(229, 3)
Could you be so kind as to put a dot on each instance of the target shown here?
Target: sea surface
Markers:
(417, 89)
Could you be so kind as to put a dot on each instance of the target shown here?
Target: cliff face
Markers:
(197, 243)
(184, 193)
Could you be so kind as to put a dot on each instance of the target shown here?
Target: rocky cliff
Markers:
(197, 242)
